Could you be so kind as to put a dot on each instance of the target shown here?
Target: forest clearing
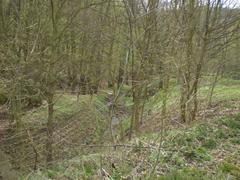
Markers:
(119, 89)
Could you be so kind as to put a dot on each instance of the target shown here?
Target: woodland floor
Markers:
(205, 149)
(208, 148)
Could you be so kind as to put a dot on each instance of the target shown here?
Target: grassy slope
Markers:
(207, 149)
(204, 151)
(225, 90)
(65, 106)
(83, 121)
(226, 95)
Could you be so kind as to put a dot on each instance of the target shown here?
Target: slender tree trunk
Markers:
(165, 94)
(50, 92)
(213, 85)
(183, 104)
(49, 143)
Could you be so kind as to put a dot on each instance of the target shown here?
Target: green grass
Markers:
(193, 147)
(65, 106)
(188, 153)
(84, 122)
(225, 90)
(193, 174)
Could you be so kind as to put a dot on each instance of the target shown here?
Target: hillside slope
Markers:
(206, 150)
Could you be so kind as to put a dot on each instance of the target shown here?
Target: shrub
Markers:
(201, 132)
(221, 134)
(232, 123)
(209, 143)
(198, 154)
(235, 140)
(3, 98)
(230, 168)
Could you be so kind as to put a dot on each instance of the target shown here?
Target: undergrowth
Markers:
(190, 153)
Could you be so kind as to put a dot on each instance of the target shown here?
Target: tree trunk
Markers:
(49, 143)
